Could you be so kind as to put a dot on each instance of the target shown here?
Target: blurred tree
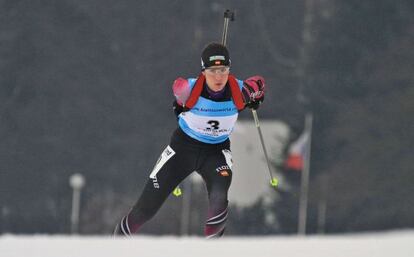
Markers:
(361, 91)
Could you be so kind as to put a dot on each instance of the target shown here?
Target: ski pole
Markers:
(229, 16)
(273, 181)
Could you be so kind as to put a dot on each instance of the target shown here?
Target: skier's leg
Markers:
(167, 174)
(217, 175)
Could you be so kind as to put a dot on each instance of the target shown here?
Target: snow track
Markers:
(384, 244)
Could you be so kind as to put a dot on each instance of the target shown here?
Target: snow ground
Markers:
(384, 244)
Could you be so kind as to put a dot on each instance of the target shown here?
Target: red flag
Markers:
(296, 154)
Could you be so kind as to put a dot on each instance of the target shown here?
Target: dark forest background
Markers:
(85, 87)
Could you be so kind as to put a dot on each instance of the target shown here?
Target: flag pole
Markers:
(304, 185)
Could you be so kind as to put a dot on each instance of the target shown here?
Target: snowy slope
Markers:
(391, 244)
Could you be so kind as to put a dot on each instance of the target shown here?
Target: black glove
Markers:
(255, 104)
(177, 108)
(253, 91)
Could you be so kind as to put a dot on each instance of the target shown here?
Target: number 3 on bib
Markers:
(214, 124)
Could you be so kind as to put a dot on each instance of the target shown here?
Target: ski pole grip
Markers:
(229, 15)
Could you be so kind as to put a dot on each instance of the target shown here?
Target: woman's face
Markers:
(216, 77)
